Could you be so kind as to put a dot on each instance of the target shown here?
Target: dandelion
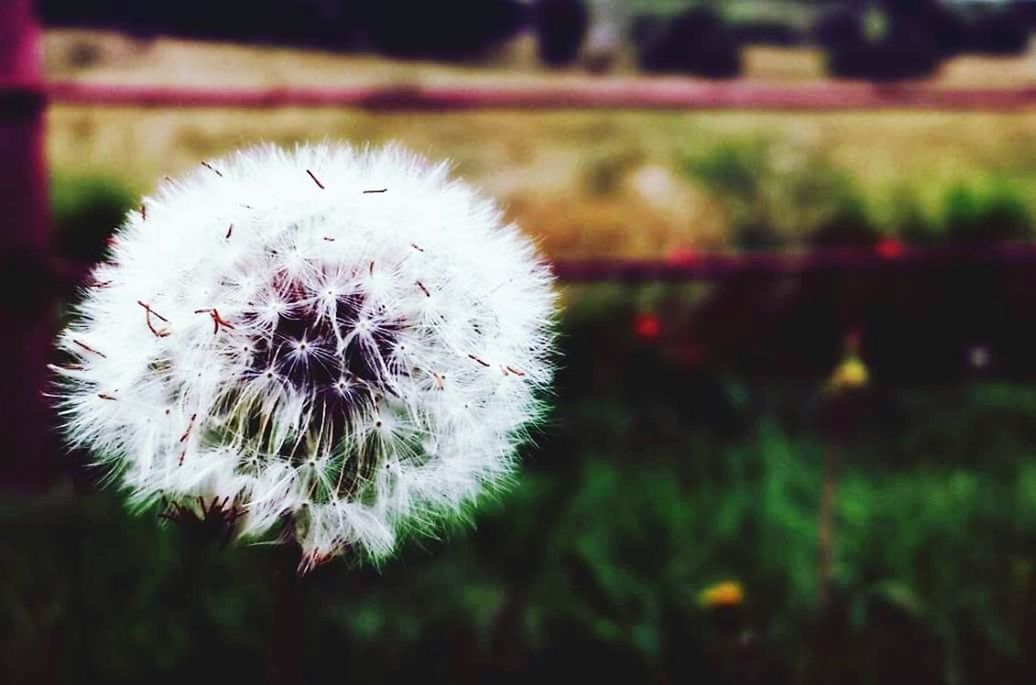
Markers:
(340, 345)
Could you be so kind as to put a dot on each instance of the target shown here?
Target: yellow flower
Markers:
(851, 374)
(723, 594)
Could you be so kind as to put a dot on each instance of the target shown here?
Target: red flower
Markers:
(646, 326)
(889, 248)
(682, 256)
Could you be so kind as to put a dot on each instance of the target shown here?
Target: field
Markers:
(587, 183)
(666, 524)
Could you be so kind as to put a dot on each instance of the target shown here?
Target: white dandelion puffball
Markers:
(335, 344)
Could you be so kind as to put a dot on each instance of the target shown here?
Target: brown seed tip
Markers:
(89, 349)
(315, 179)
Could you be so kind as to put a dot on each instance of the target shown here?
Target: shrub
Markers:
(695, 41)
(946, 26)
(996, 211)
(909, 221)
(772, 191)
(445, 29)
(848, 224)
(561, 27)
(879, 46)
(999, 31)
(766, 32)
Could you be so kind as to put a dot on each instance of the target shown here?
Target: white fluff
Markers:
(353, 362)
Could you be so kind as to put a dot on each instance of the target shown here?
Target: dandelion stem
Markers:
(285, 649)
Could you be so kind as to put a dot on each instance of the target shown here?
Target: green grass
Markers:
(651, 482)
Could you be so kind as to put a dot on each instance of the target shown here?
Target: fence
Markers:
(30, 270)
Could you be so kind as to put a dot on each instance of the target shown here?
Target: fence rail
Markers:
(638, 94)
(716, 266)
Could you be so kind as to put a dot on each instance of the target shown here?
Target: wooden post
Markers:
(27, 454)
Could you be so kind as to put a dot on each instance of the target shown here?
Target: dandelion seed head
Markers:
(312, 366)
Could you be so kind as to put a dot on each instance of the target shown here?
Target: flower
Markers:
(722, 594)
(850, 374)
(890, 248)
(646, 326)
(345, 342)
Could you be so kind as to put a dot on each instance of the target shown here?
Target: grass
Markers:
(588, 184)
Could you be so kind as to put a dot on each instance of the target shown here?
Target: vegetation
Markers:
(665, 527)
(84, 212)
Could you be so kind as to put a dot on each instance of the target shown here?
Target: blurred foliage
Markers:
(996, 210)
(695, 41)
(660, 478)
(682, 457)
(84, 212)
(775, 191)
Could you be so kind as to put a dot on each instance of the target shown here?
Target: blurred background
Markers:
(814, 475)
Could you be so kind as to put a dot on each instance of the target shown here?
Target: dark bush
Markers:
(1026, 10)
(444, 29)
(333, 23)
(999, 31)
(979, 27)
(766, 32)
(72, 13)
(695, 41)
(945, 26)
(561, 28)
(899, 48)
(839, 25)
